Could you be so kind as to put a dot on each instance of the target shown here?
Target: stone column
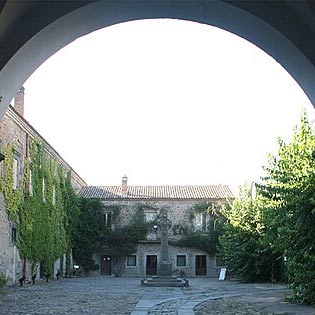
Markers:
(164, 224)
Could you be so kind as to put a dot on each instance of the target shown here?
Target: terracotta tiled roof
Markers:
(157, 192)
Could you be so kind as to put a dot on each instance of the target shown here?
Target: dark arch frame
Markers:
(32, 31)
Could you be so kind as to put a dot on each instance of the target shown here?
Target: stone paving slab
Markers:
(156, 296)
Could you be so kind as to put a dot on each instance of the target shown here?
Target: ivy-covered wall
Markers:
(42, 209)
(13, 197)
(94, 236)
(185, 236)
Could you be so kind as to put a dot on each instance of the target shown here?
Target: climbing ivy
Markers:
(90, 230)
(206, 240)
(71, 204)
(122, 241)
(13, 197)
(93, 236)
(43, 213)
(115, 211)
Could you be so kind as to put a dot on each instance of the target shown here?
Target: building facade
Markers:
(17, 133)
(182, 204)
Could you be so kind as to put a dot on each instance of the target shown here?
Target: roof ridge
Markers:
(165, 192)
(202, 185)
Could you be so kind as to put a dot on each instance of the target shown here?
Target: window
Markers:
(201, 221)
(181, 261)
(131, 260)
(44, 190)
(108, 220)
(13, 236)
(150, 216)
(30, 187)
(54, 195)
(15, 173)
(2, 157)
(204, 222)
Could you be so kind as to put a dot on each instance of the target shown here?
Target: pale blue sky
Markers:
(164, 102)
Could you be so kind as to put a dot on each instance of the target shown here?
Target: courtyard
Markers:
(122, 296)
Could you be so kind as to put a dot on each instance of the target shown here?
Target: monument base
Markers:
(164, 270)
(165, 282)
(165, 278)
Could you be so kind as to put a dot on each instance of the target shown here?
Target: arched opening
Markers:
(200, 259)
(163, 92)
(39, 30)
(180, 256)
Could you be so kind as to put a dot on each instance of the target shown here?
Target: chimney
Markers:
(19, 101)
(124, 187)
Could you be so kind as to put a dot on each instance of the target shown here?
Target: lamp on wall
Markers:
(155, 227)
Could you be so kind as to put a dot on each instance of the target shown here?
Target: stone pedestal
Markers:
(164, 269)
(165, 282)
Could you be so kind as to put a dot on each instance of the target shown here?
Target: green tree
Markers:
(289, 188)
(88, 234)
(247, 251)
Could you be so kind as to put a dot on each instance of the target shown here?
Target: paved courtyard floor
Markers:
(110, 296)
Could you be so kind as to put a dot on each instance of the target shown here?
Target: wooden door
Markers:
(151, 267)
(106, 265)
(201, 265)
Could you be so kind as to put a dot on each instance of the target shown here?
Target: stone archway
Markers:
(32, 31)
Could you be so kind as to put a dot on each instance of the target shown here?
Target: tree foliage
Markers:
(87, 236)
(247, 251)
(289, 185)
(278, 227)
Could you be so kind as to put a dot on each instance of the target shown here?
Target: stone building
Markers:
(181, 203)
(17, 132)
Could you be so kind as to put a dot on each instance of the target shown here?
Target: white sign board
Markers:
(222, 274)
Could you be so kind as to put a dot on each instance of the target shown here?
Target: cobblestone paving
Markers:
(211, 297)
(88, 296)
(122, 296)
(250, 299)
(231, 306)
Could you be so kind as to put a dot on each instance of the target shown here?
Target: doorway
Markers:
(151, 267)
(201, 265)
(106, 265)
